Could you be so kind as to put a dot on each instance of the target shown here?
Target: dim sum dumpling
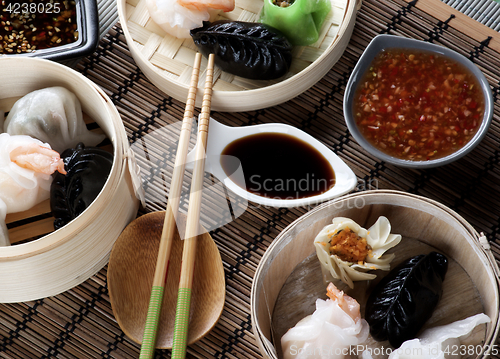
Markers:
(335, 325)
(175, 19)
(357, 251)
(178, 17)
(54, 116)
(87, 170)
(26, 165)
(434, 343)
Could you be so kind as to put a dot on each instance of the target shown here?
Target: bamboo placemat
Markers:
(80, 324)
(485, 11)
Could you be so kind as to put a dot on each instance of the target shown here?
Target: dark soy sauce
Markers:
(278, 165)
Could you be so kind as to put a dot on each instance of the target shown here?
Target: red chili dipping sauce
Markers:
(416, 105)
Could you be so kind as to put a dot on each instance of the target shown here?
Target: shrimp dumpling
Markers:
(335, 325)
(178, 17)
(26, 165)
(224, 5)
(52, 115)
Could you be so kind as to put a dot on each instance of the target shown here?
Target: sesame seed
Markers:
(25, 31)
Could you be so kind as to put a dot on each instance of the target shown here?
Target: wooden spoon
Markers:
(130, 277)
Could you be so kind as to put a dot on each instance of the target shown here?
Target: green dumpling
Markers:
(299, 20)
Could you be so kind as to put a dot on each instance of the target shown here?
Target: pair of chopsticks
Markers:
(192, 224)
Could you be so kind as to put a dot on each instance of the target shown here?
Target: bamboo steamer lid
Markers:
(67, 257)
(167, 61)
(411, 216)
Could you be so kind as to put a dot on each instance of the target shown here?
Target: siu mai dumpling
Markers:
(347, 251)
(54, 116)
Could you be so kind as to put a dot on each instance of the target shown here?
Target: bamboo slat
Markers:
(166, 60)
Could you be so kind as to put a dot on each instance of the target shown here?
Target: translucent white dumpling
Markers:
(54, 116)
(357, 251)
(438, 342)
(174, 19)
(26, 165)
(328, 333)
(178, 17)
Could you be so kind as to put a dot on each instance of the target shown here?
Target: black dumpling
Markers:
(405, 299)
(251, 50)
(87, 170)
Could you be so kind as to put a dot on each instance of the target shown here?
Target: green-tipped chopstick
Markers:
(169, 224)
(192, 224)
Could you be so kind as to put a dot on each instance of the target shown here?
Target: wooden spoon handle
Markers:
(169, 224)
(193, 223)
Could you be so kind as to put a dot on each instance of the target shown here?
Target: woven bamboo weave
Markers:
(173, 57)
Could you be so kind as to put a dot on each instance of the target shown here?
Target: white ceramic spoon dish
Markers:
(220, 136)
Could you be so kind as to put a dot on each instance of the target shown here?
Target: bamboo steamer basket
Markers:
(411, 216)
(67, 257)
(167, 61)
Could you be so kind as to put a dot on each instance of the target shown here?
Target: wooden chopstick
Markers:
(192, 224)
(169, 224)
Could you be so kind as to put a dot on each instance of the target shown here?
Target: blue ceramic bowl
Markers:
(383, 42)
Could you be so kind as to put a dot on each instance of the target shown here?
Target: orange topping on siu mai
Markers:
(348, 246)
